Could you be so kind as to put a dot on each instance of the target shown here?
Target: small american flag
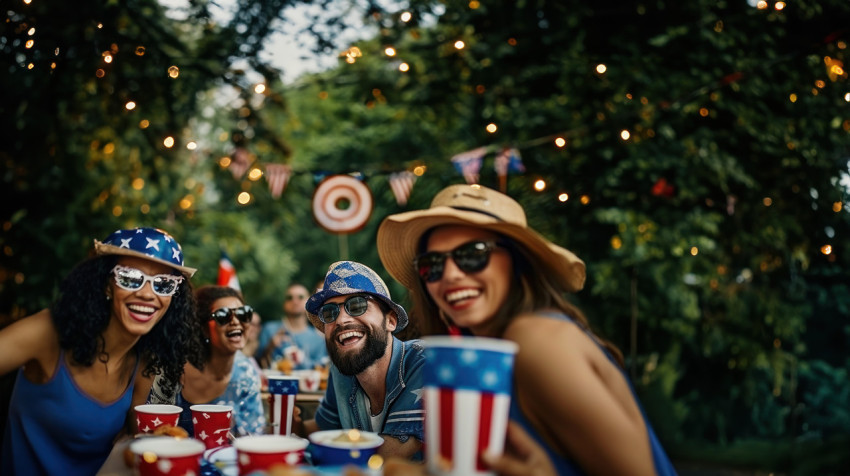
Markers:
(278, 176)
(401, 184)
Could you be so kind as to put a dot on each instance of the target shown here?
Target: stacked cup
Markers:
(282, 392)
(467, 397)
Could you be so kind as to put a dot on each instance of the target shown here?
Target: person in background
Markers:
(473, 266)
(121, 316)
(226, 376)
(375, 381)
(291, 343)
(252, 336)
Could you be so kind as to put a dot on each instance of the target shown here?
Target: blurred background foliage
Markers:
(715, 232)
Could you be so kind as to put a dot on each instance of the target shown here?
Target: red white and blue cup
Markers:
(282, 392)
(468, 382)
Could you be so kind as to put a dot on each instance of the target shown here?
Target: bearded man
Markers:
(375, 380)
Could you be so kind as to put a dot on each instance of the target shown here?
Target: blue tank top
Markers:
(56, 428)
(567, 467)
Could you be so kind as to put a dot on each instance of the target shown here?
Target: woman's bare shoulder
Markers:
(32, 338)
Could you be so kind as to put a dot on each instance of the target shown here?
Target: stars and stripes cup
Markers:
(282, 392)
(467, 397)
(212, 424)
(151, 416)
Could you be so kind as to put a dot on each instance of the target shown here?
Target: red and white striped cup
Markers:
(467, 398)
(282, 392)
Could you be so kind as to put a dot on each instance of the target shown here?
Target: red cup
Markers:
(212, 424)
(264, 452)
(150, 416)
(167, 456)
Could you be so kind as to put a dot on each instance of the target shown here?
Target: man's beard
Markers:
(353, 363)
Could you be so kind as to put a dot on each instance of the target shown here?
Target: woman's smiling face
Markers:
(138, 310)
(229, 337)
(472, 299)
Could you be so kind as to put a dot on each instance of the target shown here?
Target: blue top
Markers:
(310, 341)
(567, 467)
(344, 405)
(56, 428)
(242, 393)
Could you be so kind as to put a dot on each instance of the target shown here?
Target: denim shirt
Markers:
(343, 406)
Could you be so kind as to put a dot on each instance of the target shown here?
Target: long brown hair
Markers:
(532, 291)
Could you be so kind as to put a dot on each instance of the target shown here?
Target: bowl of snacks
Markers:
(343, 447)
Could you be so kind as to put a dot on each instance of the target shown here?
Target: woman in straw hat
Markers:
(472, 265)
(121, 316)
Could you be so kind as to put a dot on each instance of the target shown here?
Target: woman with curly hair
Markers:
(121, 317)
(225, 376)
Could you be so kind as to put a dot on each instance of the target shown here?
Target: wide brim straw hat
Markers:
(151, 244)
(472, 205)
(350, 277)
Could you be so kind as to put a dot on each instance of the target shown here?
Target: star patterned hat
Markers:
(350, 277)
(149, 243)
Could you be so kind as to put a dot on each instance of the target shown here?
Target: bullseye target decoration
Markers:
(342, 204)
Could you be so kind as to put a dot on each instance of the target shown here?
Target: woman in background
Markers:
(225, 376)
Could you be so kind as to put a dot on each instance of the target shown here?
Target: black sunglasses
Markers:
(470, 257)
(223, 315)
(354, 306)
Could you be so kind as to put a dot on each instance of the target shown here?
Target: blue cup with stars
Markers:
(467, 397)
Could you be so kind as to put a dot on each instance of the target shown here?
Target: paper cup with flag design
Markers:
(151, 416)
(282, 392)
(467, 399)
(212, 424)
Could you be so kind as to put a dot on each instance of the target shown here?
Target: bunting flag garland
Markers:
(469, 163)
(401, 184)
(227, 273)
(506, 161)
(240, 162)
(278, 176)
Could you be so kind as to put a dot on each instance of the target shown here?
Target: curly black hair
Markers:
(81, 314)
(205, 296)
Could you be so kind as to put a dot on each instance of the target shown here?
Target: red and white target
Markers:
(342, 204)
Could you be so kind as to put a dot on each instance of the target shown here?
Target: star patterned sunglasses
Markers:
(355, 306)
(470, 257)
(223, 315)
(132, 279)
